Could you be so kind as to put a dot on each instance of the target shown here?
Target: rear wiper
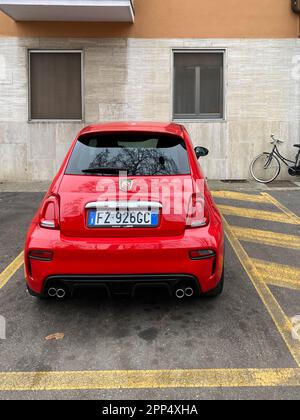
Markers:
(103, 170)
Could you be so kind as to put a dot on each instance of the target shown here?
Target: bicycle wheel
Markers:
(265, 168)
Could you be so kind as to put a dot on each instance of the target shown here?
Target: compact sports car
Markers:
(129, 208)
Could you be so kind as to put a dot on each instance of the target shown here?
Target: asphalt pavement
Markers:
(240, 345)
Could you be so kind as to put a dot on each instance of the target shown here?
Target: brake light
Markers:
(49, 216)
(198, 213)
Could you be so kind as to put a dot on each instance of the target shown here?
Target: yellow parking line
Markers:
(232, 195)
(278, 275)
(146, 379)
(281, 321)
(288, 212)
(256, 214)
(11, 269)
(267, 237)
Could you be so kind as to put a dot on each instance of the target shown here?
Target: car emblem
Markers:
(126, 185)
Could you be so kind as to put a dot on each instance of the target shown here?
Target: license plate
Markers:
(134, 218)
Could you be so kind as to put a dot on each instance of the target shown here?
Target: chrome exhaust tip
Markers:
(179, 293)
(52, 292)
(189, 291)
(61, 293)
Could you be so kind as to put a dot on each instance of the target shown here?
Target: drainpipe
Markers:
(296, 9)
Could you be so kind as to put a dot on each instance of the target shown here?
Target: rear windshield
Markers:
(135, 153)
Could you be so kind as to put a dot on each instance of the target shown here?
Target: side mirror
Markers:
(201, 151)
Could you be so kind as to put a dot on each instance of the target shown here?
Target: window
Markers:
(198, 85)
(55, 85)
(138, 154)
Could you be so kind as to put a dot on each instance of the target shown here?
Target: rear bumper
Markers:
(131, 261)
(127, 285)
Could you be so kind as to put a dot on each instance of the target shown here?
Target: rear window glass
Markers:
(136, 153)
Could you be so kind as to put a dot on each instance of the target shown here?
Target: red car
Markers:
(129, 208)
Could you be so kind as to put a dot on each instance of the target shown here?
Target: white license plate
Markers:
(136, 218)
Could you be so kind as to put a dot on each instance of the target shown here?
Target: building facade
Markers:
(228, 70)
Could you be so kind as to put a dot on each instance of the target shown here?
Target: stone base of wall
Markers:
(131, 79)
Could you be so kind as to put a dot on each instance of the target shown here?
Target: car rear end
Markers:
(129, 209)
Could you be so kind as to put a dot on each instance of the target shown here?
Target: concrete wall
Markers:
(131, 79)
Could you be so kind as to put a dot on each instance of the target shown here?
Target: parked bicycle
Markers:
(266, 167)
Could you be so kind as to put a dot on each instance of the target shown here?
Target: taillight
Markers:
(41, 255)
(202, 254)
(49, 216)
(198, 213)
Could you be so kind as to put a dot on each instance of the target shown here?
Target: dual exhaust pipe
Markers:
(180, 293)
(60, 293)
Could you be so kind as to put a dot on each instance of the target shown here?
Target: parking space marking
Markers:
(232, 195)
(281, 321)
(282, 208)
(11, 269)
(266, 237)
(148, 379)
(256, 214)
(278, 275)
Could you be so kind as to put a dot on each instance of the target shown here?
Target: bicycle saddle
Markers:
(297, 145)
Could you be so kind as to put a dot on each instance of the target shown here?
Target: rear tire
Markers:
(217, 291)
(265, 168)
